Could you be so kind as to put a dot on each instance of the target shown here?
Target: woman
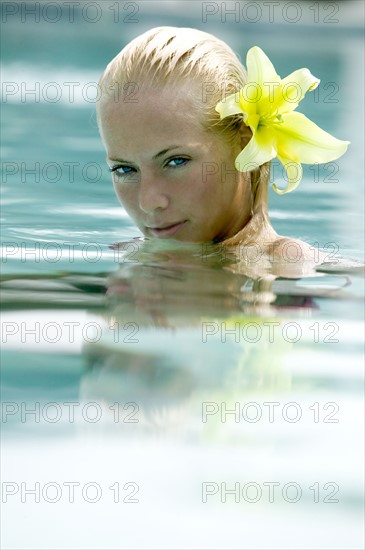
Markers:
(189, 141)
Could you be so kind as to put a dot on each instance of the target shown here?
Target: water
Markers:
(163, 376)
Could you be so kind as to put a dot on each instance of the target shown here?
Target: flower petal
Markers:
(293, 89)
(259, 68)
(298, 139)
(262, 81)
(229, 106)
(294, 172)
(258, 151)
(267, 104)
(237, 104)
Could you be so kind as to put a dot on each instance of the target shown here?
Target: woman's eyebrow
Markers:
(160, 154)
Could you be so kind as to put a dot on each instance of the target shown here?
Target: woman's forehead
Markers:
(153, 108)
(152, 124)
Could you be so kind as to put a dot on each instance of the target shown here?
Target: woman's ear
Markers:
(245, 135)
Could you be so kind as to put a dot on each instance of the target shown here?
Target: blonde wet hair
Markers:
(174, 56)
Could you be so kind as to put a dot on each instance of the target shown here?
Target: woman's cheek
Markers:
(120, 191)
(128, 197)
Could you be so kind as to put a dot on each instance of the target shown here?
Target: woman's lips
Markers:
(166, 230)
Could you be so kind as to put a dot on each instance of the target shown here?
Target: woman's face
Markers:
(175, 179)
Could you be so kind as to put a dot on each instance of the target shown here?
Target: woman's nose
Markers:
(151, 195)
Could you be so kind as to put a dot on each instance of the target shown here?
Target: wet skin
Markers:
(173, 177)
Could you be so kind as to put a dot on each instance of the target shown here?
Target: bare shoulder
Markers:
(292, 250)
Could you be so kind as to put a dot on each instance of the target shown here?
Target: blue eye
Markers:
(122, 170)
(179, 161)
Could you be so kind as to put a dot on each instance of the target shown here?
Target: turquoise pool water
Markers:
(164, 396)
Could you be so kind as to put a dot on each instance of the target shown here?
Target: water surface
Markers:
(165, 375)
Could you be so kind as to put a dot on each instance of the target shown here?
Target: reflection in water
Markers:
(160, 280)
(206, 365)
(178, 324)
(194, 323)
(171, 371)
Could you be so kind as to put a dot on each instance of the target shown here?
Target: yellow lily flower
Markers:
(267, 103)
